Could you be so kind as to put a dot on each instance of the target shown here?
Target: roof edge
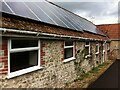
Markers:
(5, 30)
(108, 24)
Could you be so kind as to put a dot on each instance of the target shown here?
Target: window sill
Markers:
(103, 51)
(97, 53)
(23, 71)
(87, 56)
(69, 59)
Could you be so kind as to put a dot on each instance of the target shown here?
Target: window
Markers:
(68, 51)
(104, 46)
(97, 48)
(87, 50)
(24, 56)
(108, 46)
(104, 51)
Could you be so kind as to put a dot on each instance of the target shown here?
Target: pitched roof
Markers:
(51, 13)
(111, 30)
(20, 23)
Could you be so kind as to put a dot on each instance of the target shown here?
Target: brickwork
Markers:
(4, 57)
(42, 54)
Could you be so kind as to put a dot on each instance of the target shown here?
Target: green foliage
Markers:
(93, 71)
(84, 76)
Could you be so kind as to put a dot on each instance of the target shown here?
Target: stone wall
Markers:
(114, 49)
(55, 72)
(82, 64)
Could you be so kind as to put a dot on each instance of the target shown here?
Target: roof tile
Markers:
(111, 30)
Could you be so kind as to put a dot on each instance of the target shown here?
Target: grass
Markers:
(87, 78)
(93, 71)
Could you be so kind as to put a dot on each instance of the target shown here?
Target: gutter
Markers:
(5, 30)
(115, 39)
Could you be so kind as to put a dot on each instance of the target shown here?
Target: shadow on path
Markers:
(109, 79)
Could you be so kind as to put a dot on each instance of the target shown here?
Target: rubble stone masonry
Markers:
(55, 73)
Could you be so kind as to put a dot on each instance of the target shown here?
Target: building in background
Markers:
(113, 33)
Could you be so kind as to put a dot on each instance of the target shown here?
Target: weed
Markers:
(93, 71)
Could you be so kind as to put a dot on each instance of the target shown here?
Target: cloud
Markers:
(97, 12)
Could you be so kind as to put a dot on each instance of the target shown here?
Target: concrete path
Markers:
(110, 79)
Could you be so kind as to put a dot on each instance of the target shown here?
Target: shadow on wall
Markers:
(113, 54)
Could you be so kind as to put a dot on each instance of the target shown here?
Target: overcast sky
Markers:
(97, 11)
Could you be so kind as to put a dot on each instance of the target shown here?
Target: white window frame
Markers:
(97, 44)
(22, 71)
(71, 58)
(89, 49)
(104, 43)
(104, 49)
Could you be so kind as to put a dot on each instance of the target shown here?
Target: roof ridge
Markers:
(108, 24)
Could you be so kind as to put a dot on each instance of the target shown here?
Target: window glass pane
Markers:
(24, 43)
(68, 53)
(101, 47)
(23, 60)
(86, 51)
(108, 46)
(97, 47)
(68, 43)
(87, 43)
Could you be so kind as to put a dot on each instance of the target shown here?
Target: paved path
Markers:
(110, 79)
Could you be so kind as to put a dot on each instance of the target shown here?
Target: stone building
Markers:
(44, 45)
(113, 32)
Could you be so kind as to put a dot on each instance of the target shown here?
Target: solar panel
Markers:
(68, 21)
(65, 19)
(49, 13)
(60, 16)
(39, 12)
(5, 8)
(74, 22)
(19, 8)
